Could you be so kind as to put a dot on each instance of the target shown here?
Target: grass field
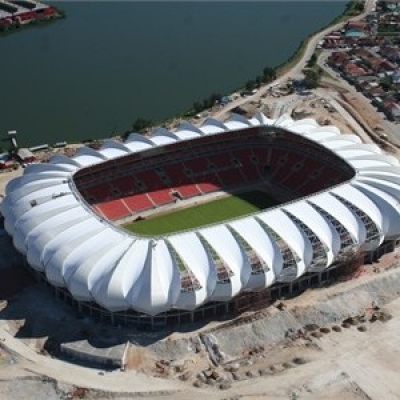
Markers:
(203, 214)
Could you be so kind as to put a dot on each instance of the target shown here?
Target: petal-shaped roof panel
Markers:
(211, 125)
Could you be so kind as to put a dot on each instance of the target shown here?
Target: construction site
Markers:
(309, 345)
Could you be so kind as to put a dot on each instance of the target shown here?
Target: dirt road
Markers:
(296, 71)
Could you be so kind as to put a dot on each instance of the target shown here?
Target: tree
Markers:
(197, 106)
(269, 74)
(312, 61)
(250, 84)
(125, 135)
(311, 79)
(141, 124)
(386, 83)
(206, 103)
(354, 7)
(359, 6)
(214, 98)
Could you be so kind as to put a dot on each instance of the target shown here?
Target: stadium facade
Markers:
(338, 196)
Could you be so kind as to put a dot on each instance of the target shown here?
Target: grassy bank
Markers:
(349, 12)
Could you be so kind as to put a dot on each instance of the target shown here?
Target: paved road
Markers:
(296, 71)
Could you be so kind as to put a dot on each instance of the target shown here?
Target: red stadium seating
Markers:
(187, 191)
(160, 197)
(221, 160)
(212, 178)
(249, 169)
(135, 183)
(197, 165)
(125, 184)
(231, 177)
(150, 179)
(98, 192)
(283, 170)
(113, 209)
(208, 187)
(264, 154)
(176, 174)
(242, 155)
(327, 178)
(138, 202)
(310, 167)
(278, 160)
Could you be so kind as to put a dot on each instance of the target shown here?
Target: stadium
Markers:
(317, 197)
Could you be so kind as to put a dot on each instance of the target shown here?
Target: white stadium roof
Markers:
(96, 261)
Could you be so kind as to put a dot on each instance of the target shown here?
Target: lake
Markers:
(93, 73)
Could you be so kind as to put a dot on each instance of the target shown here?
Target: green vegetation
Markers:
(203, 214)
(386, 83)
(312, 77)
(268, 75)
(312, 62)
(313, 73)
(388, 30)
(141, 124)
(199, 106)
(353, 8)
(391, 34)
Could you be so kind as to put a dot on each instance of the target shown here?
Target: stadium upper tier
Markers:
(342, 196)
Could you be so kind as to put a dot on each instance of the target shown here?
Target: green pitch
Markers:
(203, 214)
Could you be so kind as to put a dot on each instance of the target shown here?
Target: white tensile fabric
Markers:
(96, 261)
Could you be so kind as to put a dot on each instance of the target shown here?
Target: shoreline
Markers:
(281, 69)
(291, 71)
(340, 19)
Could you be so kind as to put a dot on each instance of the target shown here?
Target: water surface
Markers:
(106, 64)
